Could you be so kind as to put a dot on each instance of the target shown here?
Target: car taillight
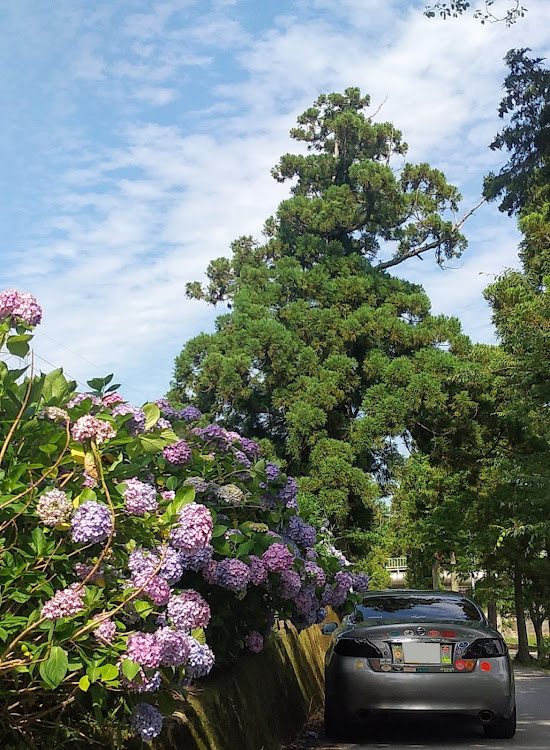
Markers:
(484, 648)
(357, 647)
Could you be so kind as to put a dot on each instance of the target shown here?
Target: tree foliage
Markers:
(491, 11)
(319, 337)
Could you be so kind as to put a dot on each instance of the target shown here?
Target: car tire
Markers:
(501, 729)
(335, 720)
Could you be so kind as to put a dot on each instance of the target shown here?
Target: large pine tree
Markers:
(316, 322)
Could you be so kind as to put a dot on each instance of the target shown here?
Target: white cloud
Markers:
(132, 220)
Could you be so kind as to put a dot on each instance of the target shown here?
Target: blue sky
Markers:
(137, 140)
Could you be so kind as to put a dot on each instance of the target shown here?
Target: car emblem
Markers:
(394, 633)
(397, 668)
(408, 632)
(434, 632)
(397, 654)
(385, 667)
(460, 665)
(445, 649)
(448, 634)
(421, 631)
(463, 644)
(359, 664)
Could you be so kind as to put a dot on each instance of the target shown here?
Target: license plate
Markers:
(422, 653)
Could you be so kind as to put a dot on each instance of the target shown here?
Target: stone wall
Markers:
(260, 702)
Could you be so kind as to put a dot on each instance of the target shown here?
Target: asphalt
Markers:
(533, 733)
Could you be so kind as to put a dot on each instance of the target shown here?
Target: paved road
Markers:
(533, 701)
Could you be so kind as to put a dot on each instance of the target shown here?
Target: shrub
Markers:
(128, 534)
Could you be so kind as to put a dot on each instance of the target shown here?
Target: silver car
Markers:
(429, 651)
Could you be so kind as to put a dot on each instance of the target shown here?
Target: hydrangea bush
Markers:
(139, 546)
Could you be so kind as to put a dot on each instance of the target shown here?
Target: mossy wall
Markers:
(260, 702)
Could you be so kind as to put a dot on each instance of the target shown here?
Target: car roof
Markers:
(414, 592)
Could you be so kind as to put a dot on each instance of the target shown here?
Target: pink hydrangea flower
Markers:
(65, 603)
(188, 610)
(277, 558)
(20, 305)
(254, 641)
(89, 427)
(194, 528)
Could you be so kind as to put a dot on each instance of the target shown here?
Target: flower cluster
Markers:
(140, 497)
(301, 532)
(65, 603)
(178, 453)
(233, 574)
(147, 721)
(278, 558)
(188, 610)
(91, 522)
(193, 530)
(254, 641)
(54, 507)
(230, 494)
(105, 631)
(89, 427)
(138, 418)
(21, 306)
(191, 414)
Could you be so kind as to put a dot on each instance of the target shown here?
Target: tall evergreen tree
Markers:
(315, 319)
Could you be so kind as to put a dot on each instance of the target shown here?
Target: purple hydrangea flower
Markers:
(344, 580)
(258, 571)
(110, 399)
(178, 453)
(89, 427)
(197, 560)
(167, 409)
(65, 603)
(360, 582)
(146, 721)
(213, 432)
(290, 584)
(20, 305)
(277, 558)
(140, 498)
(175, 646)
(209, 572)
(301, 532)
(254, 641)
(91, 522)
(188, 610)
(172, 565)
(157, 588)
(250, 447)
(198, 484)
(144, 649)
(289, 493)
(194, 528)
(141, 683)
(105, 631)
(200, 660)
(190, 413)
(242, 458)
(233, 574)
(83, 570)
(330, 549)
(304, 603)
(312, 554)
(321, 615)
(54, 507)
(78, 398)
(230, 494)
(272, 472)
(168, 495)
(315, 573)
(137, 423)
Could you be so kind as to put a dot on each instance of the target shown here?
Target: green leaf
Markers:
(143, 609)
(130, 668)
(56, 387)
(184, 496)
(199, 635)
(39, 541)
(218, 531)
(84, 683)
(152, 415)
(109, 672)
(19, 345)
(54, 669)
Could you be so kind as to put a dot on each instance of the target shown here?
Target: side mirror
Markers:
(329, 628)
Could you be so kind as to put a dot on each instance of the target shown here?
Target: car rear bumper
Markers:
(358, 689)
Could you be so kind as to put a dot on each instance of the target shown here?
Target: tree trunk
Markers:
(435, 575)
(537, 615)
(492, 613)
(522, 656)
(454, 575)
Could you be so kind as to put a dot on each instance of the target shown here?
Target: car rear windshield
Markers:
(421, 608)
